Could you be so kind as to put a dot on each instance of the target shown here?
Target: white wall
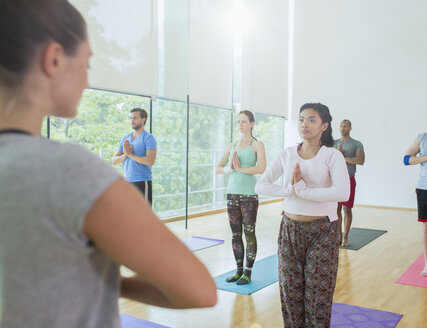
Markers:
(367, 61)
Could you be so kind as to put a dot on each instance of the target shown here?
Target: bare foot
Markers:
(345, 243)
(424, 272)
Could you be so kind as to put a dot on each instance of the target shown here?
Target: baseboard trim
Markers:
(216, 211)
(388, 208)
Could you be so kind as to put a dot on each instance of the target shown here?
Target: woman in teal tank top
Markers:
(241, 161)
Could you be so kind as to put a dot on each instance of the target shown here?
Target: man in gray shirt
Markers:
(354, 155)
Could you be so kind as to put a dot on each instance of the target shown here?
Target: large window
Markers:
(209, 136)
(270, 130)
(182, 54)
(169, 171)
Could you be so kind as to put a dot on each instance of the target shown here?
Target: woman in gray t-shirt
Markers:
(419, 146)
(67, 219)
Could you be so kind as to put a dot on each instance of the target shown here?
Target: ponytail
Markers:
(327, 139)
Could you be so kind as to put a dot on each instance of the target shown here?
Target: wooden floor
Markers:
(365, 277)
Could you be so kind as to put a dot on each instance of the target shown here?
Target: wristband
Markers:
(406, 159)
(227, 170)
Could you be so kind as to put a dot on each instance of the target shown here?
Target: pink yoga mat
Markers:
(412, 276)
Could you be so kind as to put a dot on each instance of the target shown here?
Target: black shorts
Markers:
(422, 204)
(146, 189)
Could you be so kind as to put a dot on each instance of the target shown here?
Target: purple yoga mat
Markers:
(351, 316)
(128, 321)
(196, 243)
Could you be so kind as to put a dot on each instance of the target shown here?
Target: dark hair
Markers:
(326, 139)
(348, 121)
(25, 26)
(251, 117)
(142, 113)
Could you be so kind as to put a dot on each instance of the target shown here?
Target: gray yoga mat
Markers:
(359, 237)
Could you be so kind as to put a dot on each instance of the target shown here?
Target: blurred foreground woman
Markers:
(67, 219)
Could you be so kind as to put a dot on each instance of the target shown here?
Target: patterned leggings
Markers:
(242, 210)
(308, 263)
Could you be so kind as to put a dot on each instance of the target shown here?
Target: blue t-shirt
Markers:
(135, 171)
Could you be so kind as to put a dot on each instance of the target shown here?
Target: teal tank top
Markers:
(242, 183)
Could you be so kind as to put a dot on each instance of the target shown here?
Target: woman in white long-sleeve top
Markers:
(315, 179)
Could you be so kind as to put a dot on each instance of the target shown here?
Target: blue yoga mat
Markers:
(128, 321)
(196, 243)
(264, 273)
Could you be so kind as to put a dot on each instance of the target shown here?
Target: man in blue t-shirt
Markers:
(138, 152)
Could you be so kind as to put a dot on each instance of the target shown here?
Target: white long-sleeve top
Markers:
(325, 182)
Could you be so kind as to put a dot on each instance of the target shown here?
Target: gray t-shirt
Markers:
(349, 148)
(422, 180)
(51, 275)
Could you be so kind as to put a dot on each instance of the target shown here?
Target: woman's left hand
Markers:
(236, 161)
(296, 175)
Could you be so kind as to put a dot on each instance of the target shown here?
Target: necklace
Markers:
(17, 131)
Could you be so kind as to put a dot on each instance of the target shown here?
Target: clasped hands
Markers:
(235, 162)
(127, 148)
(296, 174)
